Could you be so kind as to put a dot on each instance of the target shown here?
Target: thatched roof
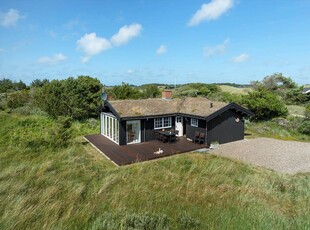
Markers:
(196, 106)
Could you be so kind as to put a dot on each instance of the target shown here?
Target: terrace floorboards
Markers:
(128, 154)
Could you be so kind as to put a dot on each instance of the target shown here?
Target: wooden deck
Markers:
(128, 154)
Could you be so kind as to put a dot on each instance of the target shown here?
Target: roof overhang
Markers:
(238, 108)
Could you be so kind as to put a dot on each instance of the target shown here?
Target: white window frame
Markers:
(110, 127)
(194, 122)
(161, 121)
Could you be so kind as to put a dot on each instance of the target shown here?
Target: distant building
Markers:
(306, 91)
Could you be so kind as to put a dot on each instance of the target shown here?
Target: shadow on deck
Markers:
(128, 154)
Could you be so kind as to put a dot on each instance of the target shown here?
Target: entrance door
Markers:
(179, 125)
(133, 132)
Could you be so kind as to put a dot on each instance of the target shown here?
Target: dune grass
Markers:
(235, 90)
(272, 129)
(76, 188)
(296, 110)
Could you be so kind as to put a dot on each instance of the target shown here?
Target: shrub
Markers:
(265, 105)
(304, 127)
(78, 98)
(307, 112)
(29, 110)
(62, 133)
(18, 99)
(187, 222)
(3, 101)
(131, 221)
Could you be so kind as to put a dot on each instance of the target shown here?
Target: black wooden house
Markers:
(134, 121)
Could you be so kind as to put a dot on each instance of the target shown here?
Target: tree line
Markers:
(79, 98)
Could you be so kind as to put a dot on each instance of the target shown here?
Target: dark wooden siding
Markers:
(122, 133)
(224, 128)
(190, 130)
(149, 130)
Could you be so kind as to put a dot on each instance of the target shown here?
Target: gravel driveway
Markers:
(283, 156)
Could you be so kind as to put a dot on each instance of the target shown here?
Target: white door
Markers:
(133, 132)
(179, 125)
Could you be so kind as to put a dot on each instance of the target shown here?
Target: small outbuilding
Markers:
(134, 121)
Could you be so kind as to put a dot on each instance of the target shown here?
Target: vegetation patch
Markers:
(73, 186)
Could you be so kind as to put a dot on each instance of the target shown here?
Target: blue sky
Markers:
(143, 41)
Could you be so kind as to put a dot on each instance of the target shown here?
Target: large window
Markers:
(194, 122)
(110, 127)
(162, 122)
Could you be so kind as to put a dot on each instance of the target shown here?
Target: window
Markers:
(162, 122)
(194, 122)
(110, 127)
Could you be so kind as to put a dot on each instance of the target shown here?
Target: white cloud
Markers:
(162, 49)
(91, 45)
(55, 59)
(241, 58)
(210, 11)
(2, 50)
(10, 18)
(130, 71)
(125, 34)
(210, 51)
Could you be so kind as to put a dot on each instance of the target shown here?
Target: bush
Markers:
(131, 221)
(29, 110)
(18, 99)
(187, 222)
(3, 101)
(265, 105)
(78, 98)
(62, 133)
(146, 221)
(304, 127)
(307, 112)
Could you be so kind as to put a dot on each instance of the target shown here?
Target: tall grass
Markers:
(75, 187)
(235, 90)
(272, 129)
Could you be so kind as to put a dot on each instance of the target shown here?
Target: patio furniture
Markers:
(196, 137)
(167, 136)
(201, 139)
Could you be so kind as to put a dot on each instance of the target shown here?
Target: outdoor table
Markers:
(169, 136)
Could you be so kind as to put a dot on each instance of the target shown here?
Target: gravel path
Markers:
(283, 156)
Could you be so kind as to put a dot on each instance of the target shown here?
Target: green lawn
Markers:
(74, 187)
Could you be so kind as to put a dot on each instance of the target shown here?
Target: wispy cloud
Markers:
(52, 60)
(2, 50)
(210, 11)
(125, 34)
(130, 71)
(161, 50)
(91, 44)
(241, 58)
(10, 18)
(210, 51)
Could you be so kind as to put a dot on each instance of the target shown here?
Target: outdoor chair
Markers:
(201, 139)
(196, 137)
(158, 136)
